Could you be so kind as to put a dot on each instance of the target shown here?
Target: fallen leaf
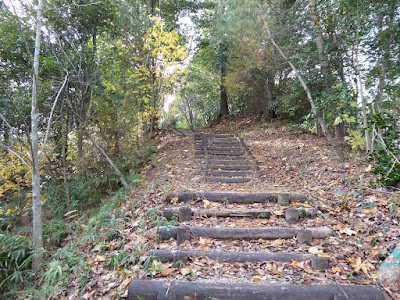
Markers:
(166, 272)
(255, 279)
(337, 269)
(185, 271)
(125, 283)
(348, 231)
(325, 255)
(279, 212)
(314, 250)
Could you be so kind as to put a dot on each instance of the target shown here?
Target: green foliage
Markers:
(387, 151)
(356, 139)
(15, 260)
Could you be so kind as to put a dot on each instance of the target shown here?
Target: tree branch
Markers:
(305, 87)
(17, 155)
(51, 115)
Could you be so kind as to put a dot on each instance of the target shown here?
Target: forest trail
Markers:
(325, 192)
(203, 237)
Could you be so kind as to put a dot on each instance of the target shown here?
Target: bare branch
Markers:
(21, 32)
(51, 115)
(109, 160)
(305, 87)
(27, 133)
(9, 126)
(17, 155)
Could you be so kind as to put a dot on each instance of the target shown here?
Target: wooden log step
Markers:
(222, 140)
(218, 135)
(229, 162)
(238, 212)
(228, 179)
(226, 173)
(157, 290)
(243, 198)
(266, 233)
(228, 167)
(174, 255)
(225, 144)
(219, 149)
(224, 157)
(211, 152)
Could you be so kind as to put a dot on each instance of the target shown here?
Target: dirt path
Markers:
(294, 238)
(337, 195)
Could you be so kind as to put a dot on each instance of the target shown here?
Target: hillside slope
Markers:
(364, 219)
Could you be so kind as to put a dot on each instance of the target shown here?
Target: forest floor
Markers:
(364, 219)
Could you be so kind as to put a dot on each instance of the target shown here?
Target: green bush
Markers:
(387, 151)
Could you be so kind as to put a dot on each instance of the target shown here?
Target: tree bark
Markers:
(37, 230)
(308, 92)
(64, 134)
(224, 111)
(319, 41)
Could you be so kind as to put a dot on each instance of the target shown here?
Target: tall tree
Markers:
(36, 195)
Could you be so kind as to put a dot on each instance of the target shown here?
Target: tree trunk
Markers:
(269, 111)
(64, 134)
(384, 51)
(308, 92)
(37, 233)
(80, 144)
(224, 111)
(319, 41)
(363, 102)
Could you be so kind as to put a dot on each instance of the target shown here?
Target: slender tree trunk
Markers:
(319, 41)
(361, 92)
(64, 134)
(223, 93)
(308, 92)
(37, 233)
(80, 144)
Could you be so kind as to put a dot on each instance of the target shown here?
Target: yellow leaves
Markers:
(14, 175)
(358, 265)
